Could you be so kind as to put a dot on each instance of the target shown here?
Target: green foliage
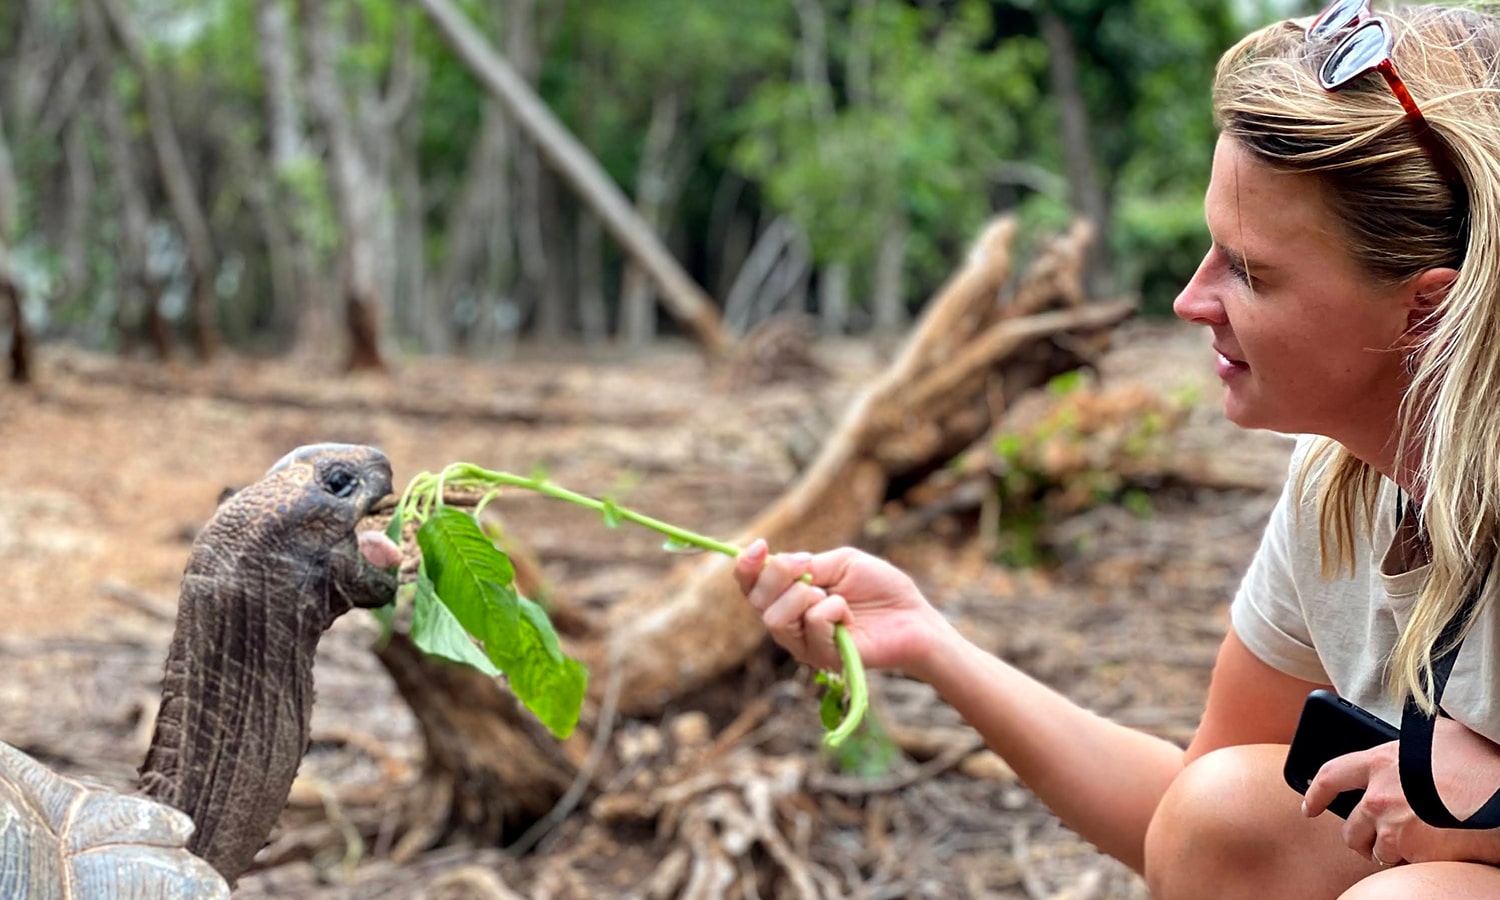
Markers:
(869, 752)
(1089, 447)
(944, 111)
(437, 631)
(474, 581)
(931, 115)
(472, 578)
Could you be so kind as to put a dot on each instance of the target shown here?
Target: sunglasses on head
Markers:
(1365, 48)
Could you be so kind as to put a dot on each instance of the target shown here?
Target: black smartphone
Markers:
(1331, 727)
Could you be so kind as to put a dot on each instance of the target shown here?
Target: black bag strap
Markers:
(1416, 740)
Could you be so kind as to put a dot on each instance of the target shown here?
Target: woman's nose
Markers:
(1199, 302)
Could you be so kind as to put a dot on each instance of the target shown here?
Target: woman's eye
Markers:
(1234, 267)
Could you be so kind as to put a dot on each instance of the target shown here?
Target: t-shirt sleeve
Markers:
(1267, 612)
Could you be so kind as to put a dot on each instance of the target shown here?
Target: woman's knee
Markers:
(1429, 881)
(1214, 826)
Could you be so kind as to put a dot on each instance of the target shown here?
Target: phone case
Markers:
(1331, 727)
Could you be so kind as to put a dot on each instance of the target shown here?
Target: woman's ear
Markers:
(1428, 290)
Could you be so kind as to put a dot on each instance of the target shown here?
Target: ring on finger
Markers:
(1375, 855)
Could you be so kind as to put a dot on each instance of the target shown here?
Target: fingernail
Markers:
(1304, 807)
(799, 560)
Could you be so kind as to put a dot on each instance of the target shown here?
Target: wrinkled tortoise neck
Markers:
(237, 698)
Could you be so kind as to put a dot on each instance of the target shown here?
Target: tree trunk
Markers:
(1084, 191)
(754, 289)
(176, 177)
(356, 192)
(138, 313)
(888, 298)
(20, 335)
(10, 188)
(77, 214)
(654, 192)
(593, 312)
(302, 303)
(480, 208)
(539, 276)
(833, 299)
(490, 771)
(583, 174)
(932, 403)
(411, 231)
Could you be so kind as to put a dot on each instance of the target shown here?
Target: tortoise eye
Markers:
(340, 483)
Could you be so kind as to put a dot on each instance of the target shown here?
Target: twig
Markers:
(847, 786)
(160, 610)
(1020, 851)
(585, 777)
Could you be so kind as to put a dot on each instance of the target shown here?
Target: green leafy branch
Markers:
(466, 587)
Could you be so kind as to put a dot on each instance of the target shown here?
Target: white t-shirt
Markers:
(1341, 630)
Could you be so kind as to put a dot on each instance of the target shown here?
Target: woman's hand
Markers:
(893, 625)
(1383, 828)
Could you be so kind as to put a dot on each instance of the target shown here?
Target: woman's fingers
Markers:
(779, 573)
(817, 627)
(832, 567)
(787, 609)
(802, 620)
(748, 564)
(1359, 832)
(1342, 773)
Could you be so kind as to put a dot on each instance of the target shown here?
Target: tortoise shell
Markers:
(61, 839)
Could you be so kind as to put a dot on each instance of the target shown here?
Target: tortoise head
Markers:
(325, 489)
(296, 525)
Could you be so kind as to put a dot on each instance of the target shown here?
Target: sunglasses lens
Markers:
(1364, 49)
(1339, 15)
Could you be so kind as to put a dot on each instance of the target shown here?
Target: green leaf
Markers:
(831, 707)
(393, 530)
(437, 632)
(611, 513)
(473, 579)
(386, 616)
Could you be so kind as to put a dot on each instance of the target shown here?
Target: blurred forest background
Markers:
(364, 178)
(526, 234)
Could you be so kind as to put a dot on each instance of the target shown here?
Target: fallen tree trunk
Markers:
(490, 769)
(978, 347)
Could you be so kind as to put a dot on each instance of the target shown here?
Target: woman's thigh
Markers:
(1230, 827)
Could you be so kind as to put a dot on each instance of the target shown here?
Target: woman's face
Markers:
(1303, 337)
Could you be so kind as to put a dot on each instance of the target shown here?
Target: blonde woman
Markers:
(1352, 294)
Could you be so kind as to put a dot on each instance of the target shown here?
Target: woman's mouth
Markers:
(1227, 367)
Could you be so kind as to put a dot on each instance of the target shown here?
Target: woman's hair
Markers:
(1409, 200)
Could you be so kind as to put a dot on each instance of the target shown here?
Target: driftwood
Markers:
(978, 347)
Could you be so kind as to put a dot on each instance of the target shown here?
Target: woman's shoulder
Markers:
(1316, 459)
(1308, 465)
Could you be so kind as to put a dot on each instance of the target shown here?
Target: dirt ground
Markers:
(107, 468)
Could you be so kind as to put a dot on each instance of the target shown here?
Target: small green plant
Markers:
(465, 587)
(1091, 446)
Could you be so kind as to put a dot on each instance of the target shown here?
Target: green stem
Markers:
(854, 679)
(426, 492)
